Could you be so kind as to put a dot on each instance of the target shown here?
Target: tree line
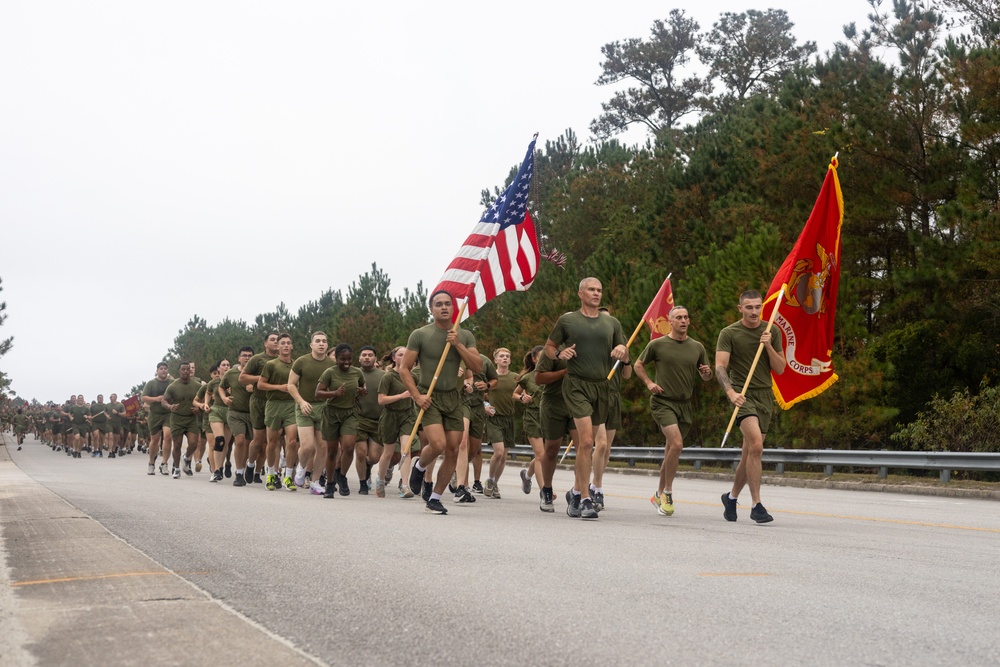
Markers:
(910, 100)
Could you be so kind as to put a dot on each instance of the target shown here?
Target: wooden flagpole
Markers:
(753, 366)
(430, 389)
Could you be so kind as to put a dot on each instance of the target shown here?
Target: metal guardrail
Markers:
(944, 462)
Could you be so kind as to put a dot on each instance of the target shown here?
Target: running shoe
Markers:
(272, 482)
(163, 469)
(186, 465)
(363, 488)
(435, 507)
(330, 490)
(546, 504)
(453, 484)
(229, 469)
(176, 474)
(248, 475)
(197, 466)
(728, 507)
(342, 486)
(572, 505)
(416, 477)
(428, 489)
(598, 499)
(525, 481)
(666, 504)
(404, 492)
(655, 501)
(388, 475)
(462, 495)
(257, 479)
(216, 476)
(300, 476)
(151, 470)
(477, 487)
(759, 514)
(587, 510)
(316, 489)
(289, 484)
(379, 487)
(240, 480)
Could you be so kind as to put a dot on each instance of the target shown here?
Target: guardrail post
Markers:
(780, 468)
(697, 465)
(945, 476)
(828, 470)
(631, 463)
(883, 472)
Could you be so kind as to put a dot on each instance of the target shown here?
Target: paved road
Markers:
(838, 578)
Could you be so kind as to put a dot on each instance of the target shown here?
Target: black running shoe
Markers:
(759, 514)
(729, 507)
(363, 489)
(572, 505)
(331, 490)
(342, 486)
(368, 473)
(229, 469)
(240, 481)
(427, 491)
(416, 478)
(257, 479)
(435, 507)
(322, 479)
(248, 475)
(477, 487)
(462, 495)
(587, 510)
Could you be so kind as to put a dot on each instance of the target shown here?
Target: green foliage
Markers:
(961, 422)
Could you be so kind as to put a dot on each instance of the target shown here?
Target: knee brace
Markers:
(220, 443)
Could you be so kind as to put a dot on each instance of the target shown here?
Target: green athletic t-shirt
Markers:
(155, 388)
(212, 392)
(368, 406)
(546, 365)
(502, 395)
(310, 371)
(79, 414)
(236, 391)
(741, 343)
(352, 380)
(99, 412)
(487, 374)
(428, 342)
(276, 371)
(254, 367)
(529, 386)
(594, 338)
(675, 365)
(202, 391)
(116, 419)
(182, 394)
(391, 385)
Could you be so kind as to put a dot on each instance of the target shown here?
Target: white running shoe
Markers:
(300, 476)
(316, 489)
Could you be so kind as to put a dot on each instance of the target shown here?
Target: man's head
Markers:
(271, 343)
(590, 292)
(343, 354)
(161, 371)
(501, 356)
(114, 398)
(442, 306)
(367, 357)
(751, 304)
(679, 320)
(285, 345)
(244, 355)
(100, 398)
(185, 371)
(318, 344)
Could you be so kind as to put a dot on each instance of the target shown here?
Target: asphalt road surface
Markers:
(106, 565)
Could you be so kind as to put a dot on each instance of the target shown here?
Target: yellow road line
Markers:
(97, 576)
(901, 522)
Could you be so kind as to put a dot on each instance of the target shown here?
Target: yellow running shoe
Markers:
(666, 507)
(272, 482)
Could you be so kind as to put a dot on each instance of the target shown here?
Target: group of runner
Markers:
(77, 426)
(302, 423)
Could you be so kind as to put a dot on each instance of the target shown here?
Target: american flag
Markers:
(501, 254)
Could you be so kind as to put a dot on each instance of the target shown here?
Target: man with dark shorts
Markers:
(152, 398)
(368, 446)
(556, 424)
(444, 417)
(279, 416)
(185, 420)
(116, 420)
(591, 341)
(677, 359)
(249, 376)
(734, 354)
(302, 381)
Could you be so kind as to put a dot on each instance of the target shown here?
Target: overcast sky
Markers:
(146, 147)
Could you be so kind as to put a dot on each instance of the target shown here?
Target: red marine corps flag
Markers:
(659, 309)
(809, 302)
(131, 405)
(501, 254)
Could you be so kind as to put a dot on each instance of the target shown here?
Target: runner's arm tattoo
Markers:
(723, 377)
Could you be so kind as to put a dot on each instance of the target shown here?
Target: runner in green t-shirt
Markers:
(236, 397)
(677, 360)
(444, 416)
(152, 399)
(302, 381)
(218, 422)
(116, 418)
(606, 431)
(279, 415)
(734, 353)
(556, 423)
(395, 424)
(500, 420)
(368, 448)
(179, 400)
(475, 387)
(528, 394)
(249, 376)
(340, 385)
(99, 426)
(592, 342)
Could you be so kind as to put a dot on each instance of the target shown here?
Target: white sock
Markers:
(731, 496)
